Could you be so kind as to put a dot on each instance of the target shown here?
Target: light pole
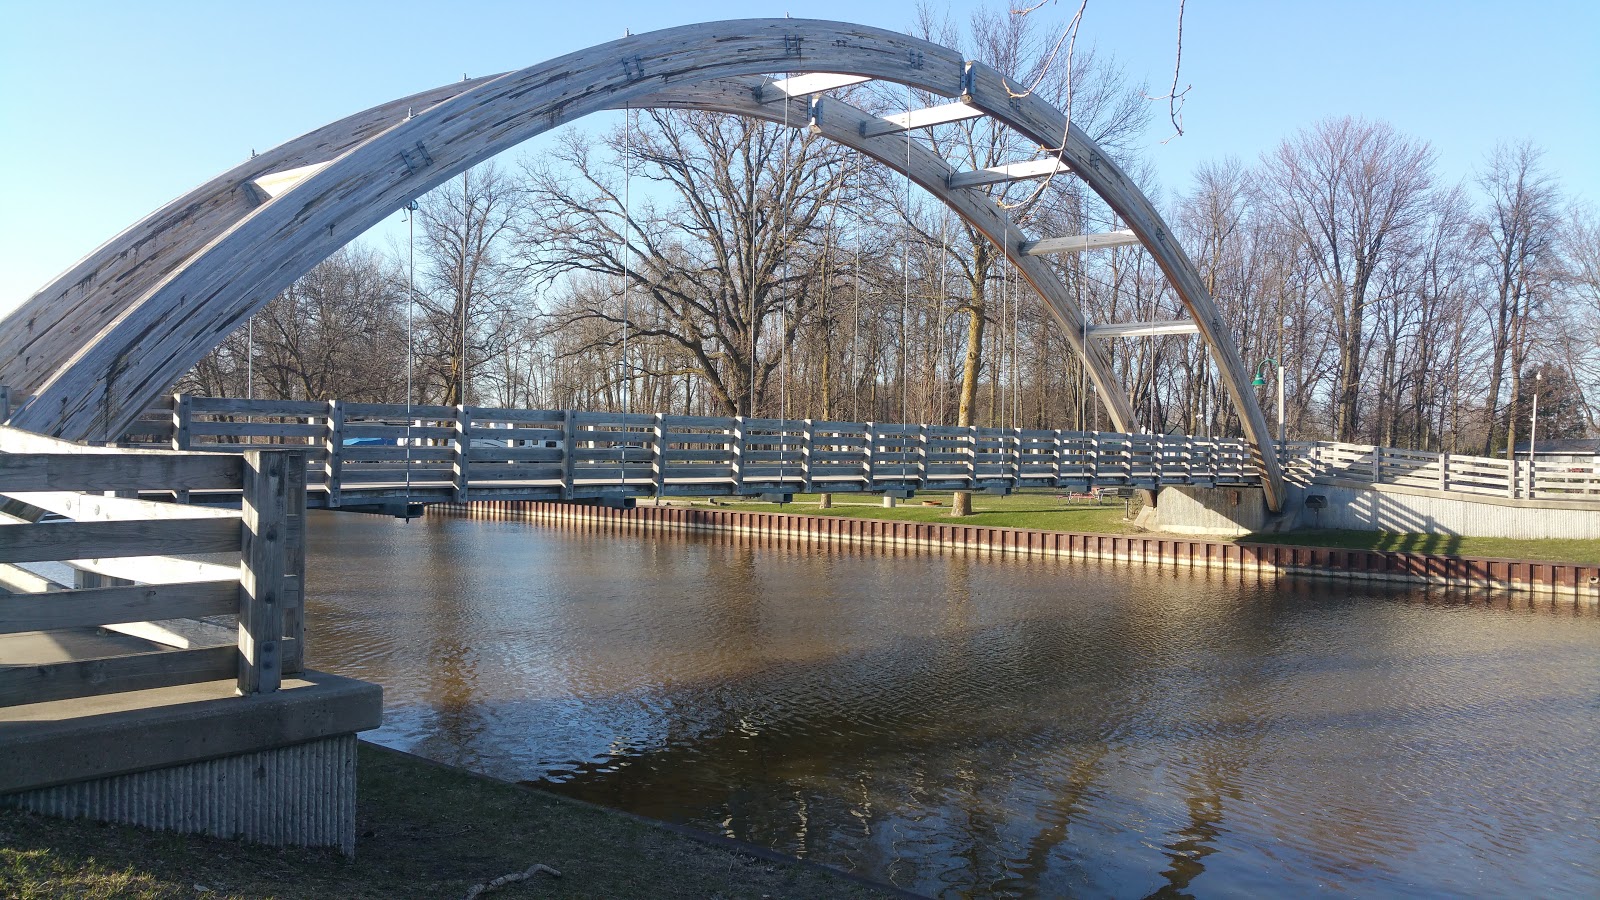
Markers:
(1259, 381)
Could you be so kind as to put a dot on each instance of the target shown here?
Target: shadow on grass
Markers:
(1580, 552)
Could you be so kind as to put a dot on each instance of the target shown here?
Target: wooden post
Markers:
(1511, 478)
(1377, 465)
(1058, 448)
(294, 565)
(463, 452)
(738, 455)
(805, 454)
(658, 458)
(922, 455)
(872, 454)
(333, 446)
(262, 556)
(972, 457)
(569, 448)
(1444, 471)
(182, 411)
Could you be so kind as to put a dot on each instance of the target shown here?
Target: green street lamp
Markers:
(1261, 381)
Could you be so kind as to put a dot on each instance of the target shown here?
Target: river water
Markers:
(967, 725)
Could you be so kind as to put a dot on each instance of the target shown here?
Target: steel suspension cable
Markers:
(627, 285)
(905, 273)
(411, 345)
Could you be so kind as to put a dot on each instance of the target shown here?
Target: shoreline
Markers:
(1576, 582)
(427, 829)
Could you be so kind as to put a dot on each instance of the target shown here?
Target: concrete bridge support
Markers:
(273, 768)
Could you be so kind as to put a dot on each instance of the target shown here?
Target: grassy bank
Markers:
(1550, 550)
(425, 831)
(1041, 510)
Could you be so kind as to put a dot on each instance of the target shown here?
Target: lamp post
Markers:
(1259, 381)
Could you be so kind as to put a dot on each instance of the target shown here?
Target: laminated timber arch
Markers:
(97, 345)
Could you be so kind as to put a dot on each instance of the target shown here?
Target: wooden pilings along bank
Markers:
(1580, 583)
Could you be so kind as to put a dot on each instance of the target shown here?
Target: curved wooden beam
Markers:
(989, 91)
(104, 387)
(199, 289)
(39, 336)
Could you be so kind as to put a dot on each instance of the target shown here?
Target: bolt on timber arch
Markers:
(97, 345)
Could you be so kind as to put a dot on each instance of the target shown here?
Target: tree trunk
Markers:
(972, 367)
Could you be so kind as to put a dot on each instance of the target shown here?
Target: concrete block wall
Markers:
(1412, 510)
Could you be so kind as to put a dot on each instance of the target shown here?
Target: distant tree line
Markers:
(704, 264)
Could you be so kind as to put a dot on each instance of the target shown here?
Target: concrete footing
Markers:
(274, 768)
(1232, 511)
(1225, 511)
(303, 795)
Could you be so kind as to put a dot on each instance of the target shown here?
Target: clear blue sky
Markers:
(111, 109)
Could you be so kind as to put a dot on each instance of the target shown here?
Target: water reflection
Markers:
(971, 726)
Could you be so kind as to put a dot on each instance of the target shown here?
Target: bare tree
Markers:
(727, 270)
(1355, 192)
(337, 333)
(1518, 239)
(469, 285)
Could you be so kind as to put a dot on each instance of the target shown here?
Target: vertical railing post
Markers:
(333, 447)
(461, 467)
(569, 452)
(263, 552)
(1057, 447)
(738, 456)
(1444, 471)
(972, 456)
(1014, 456)
(658, 459)
(1377, 465)
(294, 565)
(872, 454)
(922, 454)
(807, 441)
(182, 412)
(1511, 477)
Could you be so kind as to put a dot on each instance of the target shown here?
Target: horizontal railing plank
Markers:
(85, 540)
(244, 407)
(149, 470)
(114, 674)
(107, 606)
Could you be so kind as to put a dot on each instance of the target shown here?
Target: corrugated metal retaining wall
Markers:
(304, 794)
(1561, 580)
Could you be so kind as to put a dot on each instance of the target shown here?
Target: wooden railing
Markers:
(1309, 462)
(143, 561)
(359, 451)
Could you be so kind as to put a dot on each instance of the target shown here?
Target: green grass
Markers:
(1552, 550)
(424, 831)
(1046, 511)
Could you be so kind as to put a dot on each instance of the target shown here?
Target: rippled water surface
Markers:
(975, 726)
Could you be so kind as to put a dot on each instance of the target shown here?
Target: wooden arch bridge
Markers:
(90, 353)
(177, 609)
